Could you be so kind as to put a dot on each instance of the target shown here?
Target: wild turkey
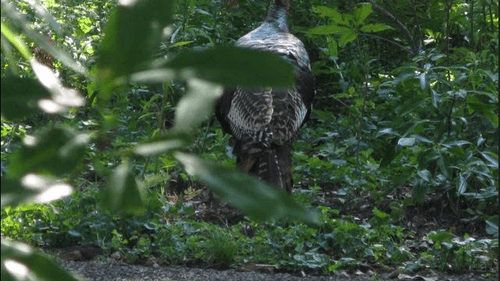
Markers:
(265, 122)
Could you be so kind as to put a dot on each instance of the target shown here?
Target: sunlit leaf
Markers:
(406, 141)
(379, 214)
(62, 97)
(122, 193)
(16, 41)
(253, 197)
(21, 262)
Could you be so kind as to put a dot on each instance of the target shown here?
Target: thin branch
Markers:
(388, 40)
(414, 48)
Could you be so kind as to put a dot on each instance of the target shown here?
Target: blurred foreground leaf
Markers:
(54, 151)
(255, 198)
(122, 192)
(21, 262)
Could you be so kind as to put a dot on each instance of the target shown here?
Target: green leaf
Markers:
(361, 12)
(406, 141)
(461, 184)
(54, 151)
(234, 66)
(441, 236)
(20, 21)
(347, 37)
(425, 175)
(20, 97)
(62, 97)
(328, 12)
(16, 41)
(374, 27)
(332, 48)
(255, 198)
(379, 214)
(132, 35)
(492, 225)
(122, 193)
(21, 262)
(173, 140)
(32, 188)
(196, 105)
(329, 29)
(491, 157)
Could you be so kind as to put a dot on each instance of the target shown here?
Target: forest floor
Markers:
(433, 215)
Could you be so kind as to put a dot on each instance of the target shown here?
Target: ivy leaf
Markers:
(253, 197)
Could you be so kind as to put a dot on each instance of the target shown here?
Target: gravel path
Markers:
(114, 272)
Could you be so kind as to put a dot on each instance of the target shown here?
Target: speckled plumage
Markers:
(266, 121)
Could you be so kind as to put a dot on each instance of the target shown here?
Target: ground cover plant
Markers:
(108, 139)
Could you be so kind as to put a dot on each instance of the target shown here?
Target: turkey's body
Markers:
(266, 121)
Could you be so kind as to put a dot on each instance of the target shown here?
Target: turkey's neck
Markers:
(278, 15)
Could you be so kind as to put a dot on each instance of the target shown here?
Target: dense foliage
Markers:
(101, 102)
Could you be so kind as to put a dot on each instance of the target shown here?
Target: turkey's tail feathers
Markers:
(271, 164)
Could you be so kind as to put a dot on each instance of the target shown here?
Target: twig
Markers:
(414, 48)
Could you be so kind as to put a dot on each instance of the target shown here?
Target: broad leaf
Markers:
(20, 97)
(461, 184)
(347, 37)
(21, 262)
(132, 35)
(492, 225)
(361, 12)
(62, 97)
(328, 12)
(196, 105)
(171, 141)
(253, 197)
(32, 188)
(406, 141)
(234, 66)
(122, 193)
(54, 151)
(374, 27)
(328, 29)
